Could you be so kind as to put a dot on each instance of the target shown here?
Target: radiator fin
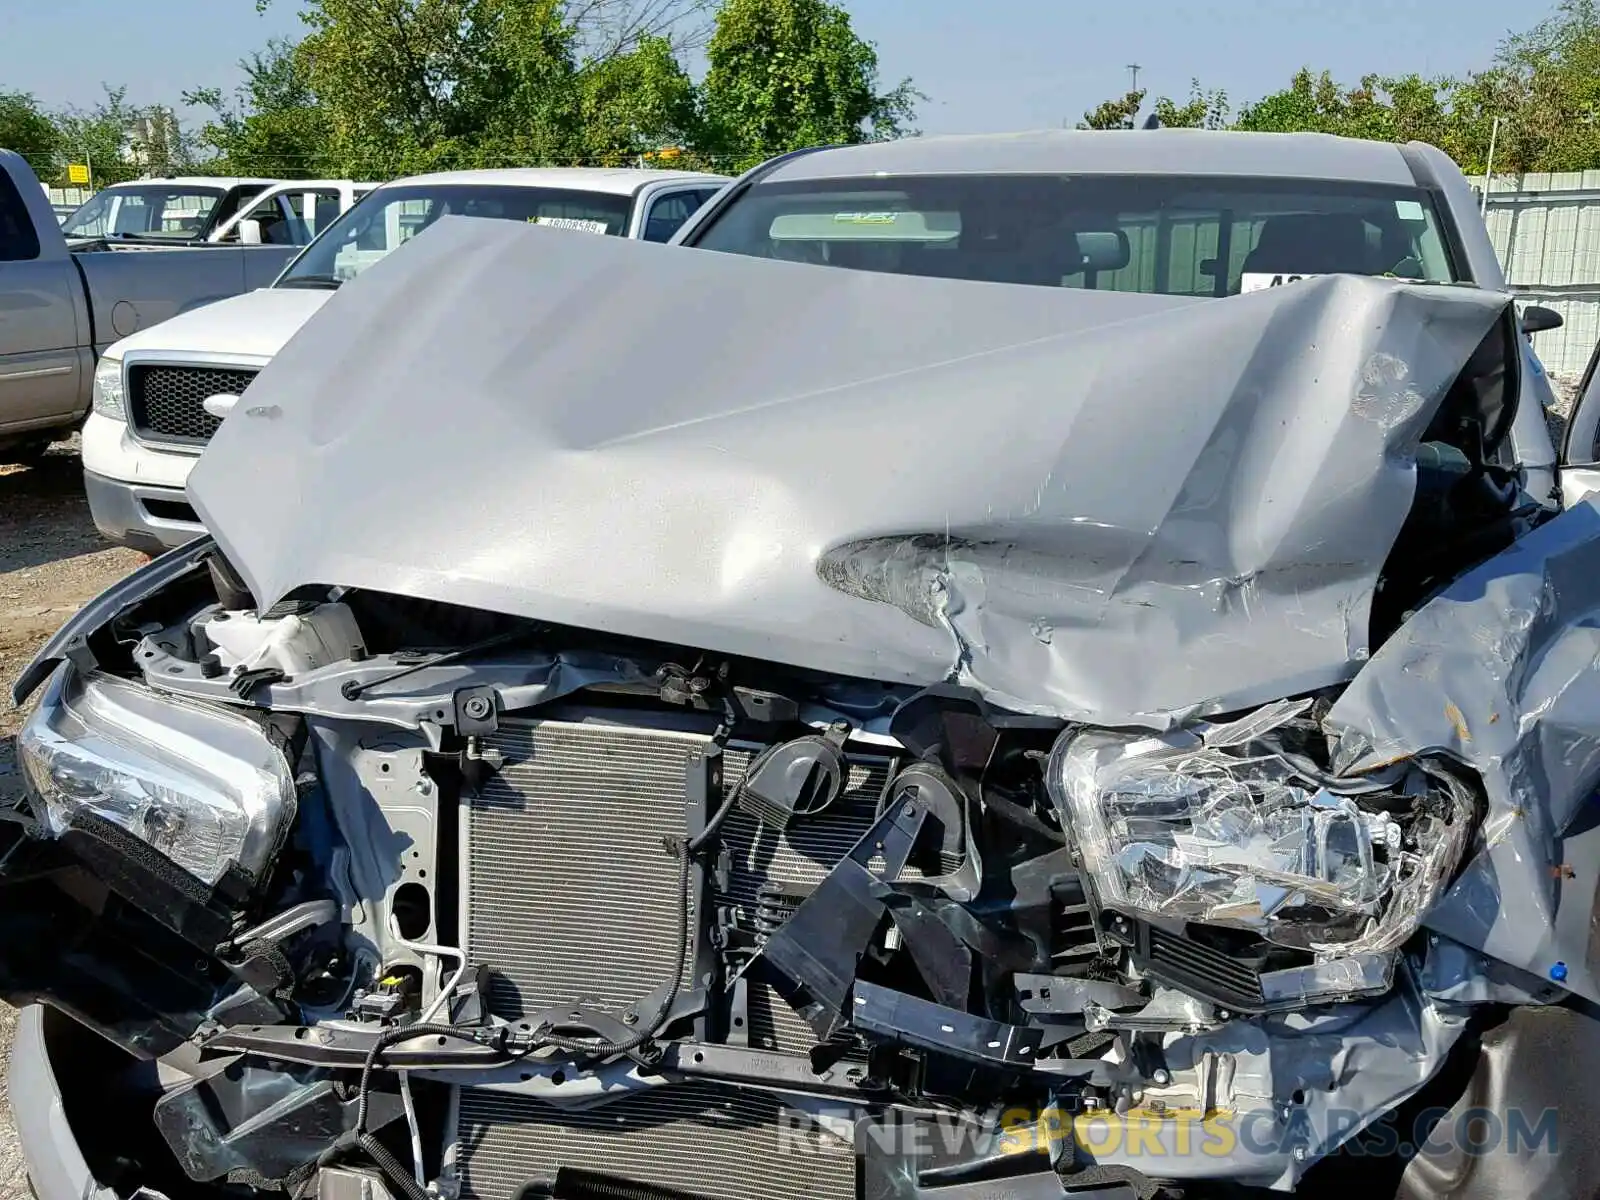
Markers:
(702, 1139)
(799, 855)
(572, 897)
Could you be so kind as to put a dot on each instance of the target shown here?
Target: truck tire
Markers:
(25, 453)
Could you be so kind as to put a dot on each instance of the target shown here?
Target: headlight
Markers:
(1173, 827)
(108, 398)
(203, 785)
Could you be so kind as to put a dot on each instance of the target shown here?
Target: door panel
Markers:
(262, 264)
(39, 362)
(1579, 452)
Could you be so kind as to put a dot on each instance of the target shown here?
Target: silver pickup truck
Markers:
(59, 308)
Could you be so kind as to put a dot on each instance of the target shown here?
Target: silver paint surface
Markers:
(1120, 508)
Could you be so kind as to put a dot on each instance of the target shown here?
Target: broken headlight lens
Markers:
(1174, 827)
(203, 785)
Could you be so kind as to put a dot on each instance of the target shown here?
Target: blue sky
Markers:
(1004, 64)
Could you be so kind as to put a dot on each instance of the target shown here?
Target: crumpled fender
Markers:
(1501, 671)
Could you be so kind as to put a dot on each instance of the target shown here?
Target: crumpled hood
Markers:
(1114, 507)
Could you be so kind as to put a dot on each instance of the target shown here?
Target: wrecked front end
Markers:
(409, 880)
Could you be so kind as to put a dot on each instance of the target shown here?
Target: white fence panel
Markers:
(1545, 227)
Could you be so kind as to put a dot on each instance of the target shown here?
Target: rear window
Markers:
(149, 211)
(19, 241)
(1174, 235)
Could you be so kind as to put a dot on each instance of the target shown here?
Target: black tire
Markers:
(26, 453)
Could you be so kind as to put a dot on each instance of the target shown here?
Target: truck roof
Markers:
(621, 181)
(217, 181)
(1112, 152)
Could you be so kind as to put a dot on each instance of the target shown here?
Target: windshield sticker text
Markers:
(579, 224)
(1257, 281)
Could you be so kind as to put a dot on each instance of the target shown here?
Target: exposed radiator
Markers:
(700, 1140)
(801, 855)
(570, 895)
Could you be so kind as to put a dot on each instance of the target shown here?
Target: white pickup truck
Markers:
(202, 211)
(160, 395)
(177, 210)
(292, 213)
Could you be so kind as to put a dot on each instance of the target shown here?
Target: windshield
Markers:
(148, 211)
(1174, 235)
(389, 217)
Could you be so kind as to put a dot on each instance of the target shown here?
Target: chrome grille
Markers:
(164, 402)
(701, 1140)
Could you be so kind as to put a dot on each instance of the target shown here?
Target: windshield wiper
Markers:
(311, 281)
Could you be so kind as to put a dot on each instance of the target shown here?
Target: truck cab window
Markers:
(18, 240)
(1167, 234)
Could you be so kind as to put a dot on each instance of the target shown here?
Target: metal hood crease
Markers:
(1121, 508)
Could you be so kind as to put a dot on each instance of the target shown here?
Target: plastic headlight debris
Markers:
(205, 786)
(1175, 828)
(108, 393)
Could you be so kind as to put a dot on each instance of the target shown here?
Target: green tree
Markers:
(100, 136)
(25, 128)
(607, 29)
(1316, 104)
(634, 103)
(784, 74)
(1203, 110)
(1114, 114)
(383, 87)
(273, 125)
(1545, 86)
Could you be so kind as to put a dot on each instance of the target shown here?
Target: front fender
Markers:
(1524, 1124)
(72, 639)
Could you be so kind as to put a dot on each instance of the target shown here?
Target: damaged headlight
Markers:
(205, 786)
(1180, 827)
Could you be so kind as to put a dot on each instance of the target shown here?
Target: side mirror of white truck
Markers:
(250, 232)
(220, 405)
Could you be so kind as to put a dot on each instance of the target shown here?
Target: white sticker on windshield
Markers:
(1408, 210)
(1256, 281)
(579, 224)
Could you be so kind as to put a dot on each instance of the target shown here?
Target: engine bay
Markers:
(510, 904)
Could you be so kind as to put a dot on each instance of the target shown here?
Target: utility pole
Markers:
(1133, 70)
(1488, 167)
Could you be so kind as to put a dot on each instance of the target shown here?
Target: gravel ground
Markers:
(51, 562)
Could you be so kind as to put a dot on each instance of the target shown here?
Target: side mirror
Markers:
(1536, 318)
(250, 232)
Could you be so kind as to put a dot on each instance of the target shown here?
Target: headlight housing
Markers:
(205, 786)
(1174, 828)
(108, 400)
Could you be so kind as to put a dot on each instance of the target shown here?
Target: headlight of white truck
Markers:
(205, 786)
(108, 396)
(1241, 835)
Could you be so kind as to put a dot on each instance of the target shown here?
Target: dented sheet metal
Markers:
(1123, 508)
(1502, 671)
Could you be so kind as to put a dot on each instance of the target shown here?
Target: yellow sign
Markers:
(78, 173)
